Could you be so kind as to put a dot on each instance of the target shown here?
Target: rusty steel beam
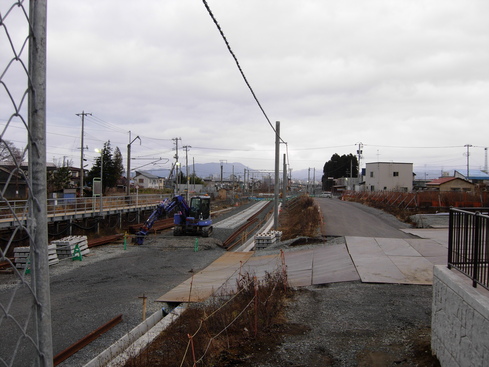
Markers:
(159, 225)
(104, 240)
(68, 352)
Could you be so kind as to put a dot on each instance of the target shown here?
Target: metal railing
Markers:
(468, 241)
(83, 205)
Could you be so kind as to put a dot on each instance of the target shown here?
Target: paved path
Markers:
(345, 218)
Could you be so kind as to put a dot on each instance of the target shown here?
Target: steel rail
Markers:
(68, 352)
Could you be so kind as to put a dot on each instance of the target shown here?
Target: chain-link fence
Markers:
(25, 310)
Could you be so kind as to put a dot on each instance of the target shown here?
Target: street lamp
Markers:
(101, 151)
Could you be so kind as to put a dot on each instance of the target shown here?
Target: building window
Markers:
(141, 180)
(371, 174)
(395, 174)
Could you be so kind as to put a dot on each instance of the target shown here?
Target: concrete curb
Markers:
(136, 340)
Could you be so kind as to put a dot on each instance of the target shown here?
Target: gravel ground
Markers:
(354, 324)
(109, 281)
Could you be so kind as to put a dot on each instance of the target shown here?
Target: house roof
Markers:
(388, 163)
(474, 174)
(147, 175)
(443, 180)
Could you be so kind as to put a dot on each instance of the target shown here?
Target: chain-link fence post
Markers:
(38, 226)
(25, 307)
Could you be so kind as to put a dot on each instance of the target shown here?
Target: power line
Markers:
(238, 65)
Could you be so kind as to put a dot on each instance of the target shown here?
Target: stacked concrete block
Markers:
(265, 239)
(22, 256)
(66, 246)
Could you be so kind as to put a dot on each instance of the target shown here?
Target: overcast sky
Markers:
(408, 79)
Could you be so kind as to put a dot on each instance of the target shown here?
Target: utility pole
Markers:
(222, 161)
(82, 114)
(176, 163)
(308, 179)
(485, 159)
(277, 176)
(468, 154)
(186, 148)
(128, 188)
(284, 183)
(314, 181)
(359, 153)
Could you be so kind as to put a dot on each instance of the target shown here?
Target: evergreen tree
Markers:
(340, 166)
(60, 178)
(112, 167)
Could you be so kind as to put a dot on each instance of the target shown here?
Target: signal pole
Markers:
(82, 114)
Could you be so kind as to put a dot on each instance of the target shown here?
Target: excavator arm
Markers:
(163, 208)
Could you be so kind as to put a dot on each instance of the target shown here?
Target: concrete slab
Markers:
(332, 264)
(299, 267)
(370, 259)
(363, 246)
(416, 270)
(203, 284)
(396, 247)
(395, 260)
(428, 247)
(439, 235)
(378, 269)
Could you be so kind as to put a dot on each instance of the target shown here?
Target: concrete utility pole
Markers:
(277, 176)
(359, 153)
(38, 220)
(284, 183)
(82, 114)
(468, 154)
(128, 188)
(222, 161)
(186, 148)
(485, 159)
(177, 189)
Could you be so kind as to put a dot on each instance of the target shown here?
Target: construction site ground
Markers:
(333, 324)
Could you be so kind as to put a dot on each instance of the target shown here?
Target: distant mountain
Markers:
(207, 170)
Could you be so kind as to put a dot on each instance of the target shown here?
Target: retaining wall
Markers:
(460, 320)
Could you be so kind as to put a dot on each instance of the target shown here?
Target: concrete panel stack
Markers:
(265, 239)
(66, 245)
(22, 256)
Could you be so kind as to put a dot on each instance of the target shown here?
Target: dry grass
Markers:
(301, 217)
(224, 330)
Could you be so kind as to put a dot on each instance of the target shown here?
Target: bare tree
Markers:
(9, 153)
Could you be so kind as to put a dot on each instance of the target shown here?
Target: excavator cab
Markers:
(200, 207)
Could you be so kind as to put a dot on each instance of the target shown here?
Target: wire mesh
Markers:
(26, 338)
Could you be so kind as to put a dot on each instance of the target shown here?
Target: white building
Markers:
(389, 176)
(146, 180)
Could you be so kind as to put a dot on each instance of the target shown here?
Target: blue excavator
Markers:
(188, 219)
